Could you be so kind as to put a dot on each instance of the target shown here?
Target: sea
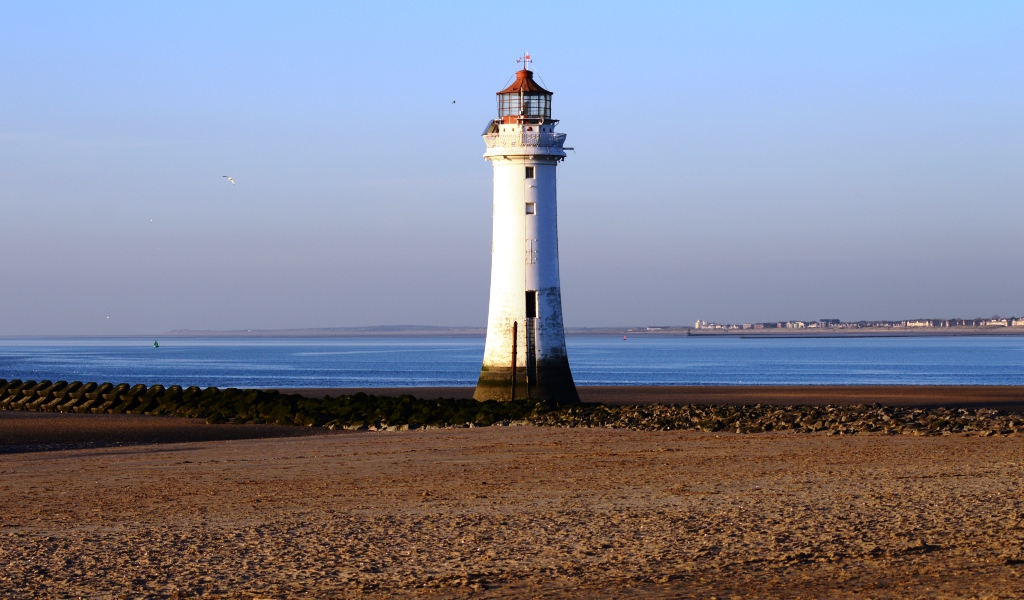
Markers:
(455, 361)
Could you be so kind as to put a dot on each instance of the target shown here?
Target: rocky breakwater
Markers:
(835, 420)
(385, 413)
(216, 406)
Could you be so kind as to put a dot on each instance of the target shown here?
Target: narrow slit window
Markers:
(531, 304)
(529, 172)
(531, 208)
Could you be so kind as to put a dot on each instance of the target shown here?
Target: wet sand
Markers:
(34, 432)
(520, 512)
(961, 396)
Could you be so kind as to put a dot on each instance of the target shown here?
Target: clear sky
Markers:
(734, 161)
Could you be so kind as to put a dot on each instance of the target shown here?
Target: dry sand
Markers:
(519, 512)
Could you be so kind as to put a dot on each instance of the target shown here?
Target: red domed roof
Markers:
(524, 83)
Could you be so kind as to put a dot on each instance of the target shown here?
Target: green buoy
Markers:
(156, 344)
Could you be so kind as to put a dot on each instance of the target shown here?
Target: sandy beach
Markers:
(519, 512)
(111, 506)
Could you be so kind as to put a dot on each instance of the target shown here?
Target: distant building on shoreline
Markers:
(837, 324)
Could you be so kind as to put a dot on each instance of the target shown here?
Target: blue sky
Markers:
(735, 161)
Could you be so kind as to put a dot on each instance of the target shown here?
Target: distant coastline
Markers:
(371, 331)
(837, 328)
(385, 331)
(432, 331)
(862, 333)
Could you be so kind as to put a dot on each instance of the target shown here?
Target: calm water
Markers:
(446, 361)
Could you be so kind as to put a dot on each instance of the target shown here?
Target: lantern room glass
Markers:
(530, 105)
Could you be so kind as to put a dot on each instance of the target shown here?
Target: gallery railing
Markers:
(516, 140)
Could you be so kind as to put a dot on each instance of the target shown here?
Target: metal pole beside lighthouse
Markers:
(524, 321)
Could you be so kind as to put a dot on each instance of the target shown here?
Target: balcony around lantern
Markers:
(525, 139)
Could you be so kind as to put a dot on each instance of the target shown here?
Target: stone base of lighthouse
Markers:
(525, 329)
(552, 383)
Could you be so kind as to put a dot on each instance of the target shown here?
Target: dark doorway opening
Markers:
(531, 304)
(531, 340)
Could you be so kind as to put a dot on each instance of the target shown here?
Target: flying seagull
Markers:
(230, 179)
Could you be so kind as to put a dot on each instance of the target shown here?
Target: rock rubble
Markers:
(835, 420)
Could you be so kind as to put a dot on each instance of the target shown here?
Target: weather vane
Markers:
(525, 60)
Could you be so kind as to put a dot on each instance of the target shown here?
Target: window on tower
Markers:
(531, 208)
(529, 172)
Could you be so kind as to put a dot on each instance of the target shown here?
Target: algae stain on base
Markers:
(524, 321)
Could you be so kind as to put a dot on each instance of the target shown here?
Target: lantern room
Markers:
(524, 101)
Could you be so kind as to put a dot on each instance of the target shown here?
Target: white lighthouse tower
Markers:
(525, 355)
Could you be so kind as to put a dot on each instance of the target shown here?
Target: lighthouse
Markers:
(524, 355)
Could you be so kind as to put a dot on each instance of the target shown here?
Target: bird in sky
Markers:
(453, 102)
(230, 179)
